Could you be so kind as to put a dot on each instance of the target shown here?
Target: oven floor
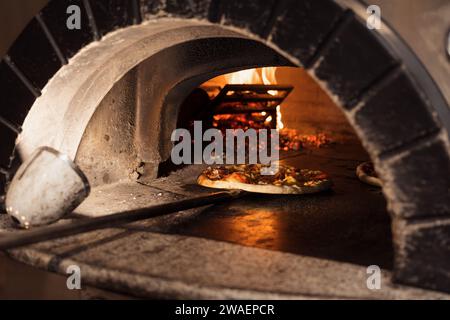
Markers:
(301, 246)
(349, 223)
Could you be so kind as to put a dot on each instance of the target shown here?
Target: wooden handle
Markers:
(41, 234)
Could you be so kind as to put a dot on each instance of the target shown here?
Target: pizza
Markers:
(288, 180)
(367, 174)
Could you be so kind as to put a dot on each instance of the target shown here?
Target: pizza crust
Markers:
(365, 177)
(264, 188)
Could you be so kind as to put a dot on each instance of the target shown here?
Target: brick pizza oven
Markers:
(109, 95)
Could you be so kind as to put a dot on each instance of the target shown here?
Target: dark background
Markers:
(14, 15)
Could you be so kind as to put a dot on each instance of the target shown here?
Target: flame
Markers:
(268, 77)
(253, 76)
(249, 76)
(280, 124)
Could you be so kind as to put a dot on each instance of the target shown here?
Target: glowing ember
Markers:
(291, 139)
(241, 121)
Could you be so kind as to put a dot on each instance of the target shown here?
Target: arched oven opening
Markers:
(338, 95)
(349, 223)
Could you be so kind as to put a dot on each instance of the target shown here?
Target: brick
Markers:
(15, 96)
(152, 7)
(113, 14)
(353, 62)
(2, 191)
(417, 182)
(395, 115)
(70, 41)
(304, 25)
(423, 253)
(252, 15)
(179, 8)
(7, 143)
(33, 54)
